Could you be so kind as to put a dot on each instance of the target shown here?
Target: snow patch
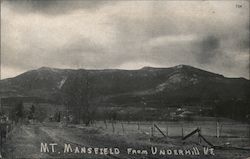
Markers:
(61, 83)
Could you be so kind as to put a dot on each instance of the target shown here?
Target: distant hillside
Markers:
(150, 86)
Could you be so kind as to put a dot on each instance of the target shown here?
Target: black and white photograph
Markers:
(125, 79)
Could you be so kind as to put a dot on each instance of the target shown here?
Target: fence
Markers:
(5, 129)
(175, 129)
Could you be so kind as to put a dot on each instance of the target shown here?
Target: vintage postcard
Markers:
(124, 79)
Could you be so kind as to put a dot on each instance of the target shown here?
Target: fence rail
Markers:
(175, 129)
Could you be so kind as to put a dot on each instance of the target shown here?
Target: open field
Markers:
(25, 140)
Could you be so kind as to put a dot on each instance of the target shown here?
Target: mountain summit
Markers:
(181, 83)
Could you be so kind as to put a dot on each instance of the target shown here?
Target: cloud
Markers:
(53, 7)
(209, 48)
(211, 35)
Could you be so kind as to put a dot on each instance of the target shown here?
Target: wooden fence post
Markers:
(249, 131)
(167, 130)
(182, 133)
(113, 127)
(199, 135)
(152, 130)
(221, 129)
(1, 139)
(123, 128)
(217, 130)
(105, 122)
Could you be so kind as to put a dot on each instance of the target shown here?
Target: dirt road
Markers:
(25, 142)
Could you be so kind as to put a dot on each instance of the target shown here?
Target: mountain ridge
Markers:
(182, 83)
(46, 68)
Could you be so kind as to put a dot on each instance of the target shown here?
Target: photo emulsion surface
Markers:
(124, 79)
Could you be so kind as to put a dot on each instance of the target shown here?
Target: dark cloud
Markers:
(53, 7)
(245, 40)
(244, 43)
(209, 48)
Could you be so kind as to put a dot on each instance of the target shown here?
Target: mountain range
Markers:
(181, 84)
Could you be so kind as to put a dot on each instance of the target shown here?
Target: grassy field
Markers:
(25, 140)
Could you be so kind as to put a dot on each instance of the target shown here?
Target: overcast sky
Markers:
(212, 35)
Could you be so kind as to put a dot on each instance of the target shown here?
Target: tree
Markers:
(40, 113)
(71, 97)
(31, 112)
(19, 112)
(57, 116)
(77, 97)
(32, 109)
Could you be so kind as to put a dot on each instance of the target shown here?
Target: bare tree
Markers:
(19, 111)
(77, 98)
